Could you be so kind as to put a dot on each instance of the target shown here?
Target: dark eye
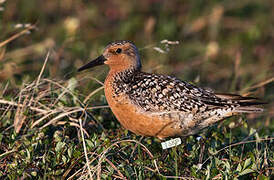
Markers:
(119, 50)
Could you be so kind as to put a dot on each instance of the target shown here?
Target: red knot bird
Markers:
(159, 105)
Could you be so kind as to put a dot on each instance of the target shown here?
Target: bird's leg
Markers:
(202, 145)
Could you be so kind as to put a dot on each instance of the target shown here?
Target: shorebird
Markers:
(159, 105)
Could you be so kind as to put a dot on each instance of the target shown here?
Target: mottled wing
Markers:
(157, 93)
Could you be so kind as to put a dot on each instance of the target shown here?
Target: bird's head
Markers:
(119, 56)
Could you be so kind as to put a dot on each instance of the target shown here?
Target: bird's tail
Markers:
(246, 104)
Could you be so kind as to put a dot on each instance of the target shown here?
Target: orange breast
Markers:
(133, 118)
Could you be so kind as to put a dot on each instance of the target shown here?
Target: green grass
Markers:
(55, 123)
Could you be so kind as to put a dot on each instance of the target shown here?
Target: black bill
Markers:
(96, 62)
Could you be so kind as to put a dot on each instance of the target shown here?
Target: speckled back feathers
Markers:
(154, 92)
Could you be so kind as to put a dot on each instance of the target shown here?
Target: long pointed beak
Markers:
(96, 62)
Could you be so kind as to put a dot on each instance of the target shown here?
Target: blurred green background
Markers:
(223, 45)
